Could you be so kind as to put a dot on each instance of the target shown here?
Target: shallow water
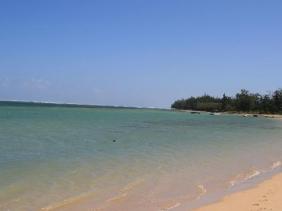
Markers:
(51, 156)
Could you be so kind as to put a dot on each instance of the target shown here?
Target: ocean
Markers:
(74, 158)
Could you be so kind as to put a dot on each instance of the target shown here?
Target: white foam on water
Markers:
(276, 164)
(203, 190)
(252, 175)
(171, 207)
(244, 177)
(66, 202)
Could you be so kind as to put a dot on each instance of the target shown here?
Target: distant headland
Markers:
(49, 104)
(244, 101)
(68, 105)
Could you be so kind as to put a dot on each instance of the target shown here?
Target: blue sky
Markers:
(137, 52)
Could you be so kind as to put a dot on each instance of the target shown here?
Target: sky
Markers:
(144, 53)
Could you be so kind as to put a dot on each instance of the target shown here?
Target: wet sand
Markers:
(265, 196)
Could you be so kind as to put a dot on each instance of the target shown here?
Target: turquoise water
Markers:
(51, 157)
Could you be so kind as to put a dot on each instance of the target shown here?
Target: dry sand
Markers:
(264, 197)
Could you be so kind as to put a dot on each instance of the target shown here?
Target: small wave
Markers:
(67, 202)
(170, 207)
(132, 185)
(118, 197)
(123, 193)
(232, 183)
(276, 164)
(202, 190)
(252, 175)
(244, 177)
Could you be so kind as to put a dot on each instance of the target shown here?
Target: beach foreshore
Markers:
(243, 114)
(265, 196)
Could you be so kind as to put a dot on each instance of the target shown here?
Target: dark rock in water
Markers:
(195, 112)
(114, 140)
(255, 115)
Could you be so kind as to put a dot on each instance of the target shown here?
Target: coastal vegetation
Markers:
(244, 101)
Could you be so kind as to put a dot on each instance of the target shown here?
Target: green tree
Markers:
(277, 98)
(245, 101)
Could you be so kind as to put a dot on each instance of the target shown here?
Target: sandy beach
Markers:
(265, 196)
(274, 116)
(242, 114)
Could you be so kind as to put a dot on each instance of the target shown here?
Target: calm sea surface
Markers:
(127, 159)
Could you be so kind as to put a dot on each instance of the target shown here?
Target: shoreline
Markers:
(254, 193)
(264, 196)
(242, 114)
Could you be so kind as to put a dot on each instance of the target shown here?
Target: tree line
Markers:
(244, 101)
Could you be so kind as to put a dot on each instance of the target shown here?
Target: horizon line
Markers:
(76, 104)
